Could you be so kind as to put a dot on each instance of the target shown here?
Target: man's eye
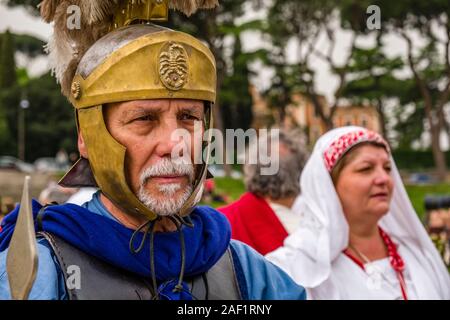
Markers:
(187, 116)
(145, 118)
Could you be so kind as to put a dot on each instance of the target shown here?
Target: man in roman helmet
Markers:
(133, 84)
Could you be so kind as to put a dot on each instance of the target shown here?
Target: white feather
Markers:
(63, 47)
(60, 54)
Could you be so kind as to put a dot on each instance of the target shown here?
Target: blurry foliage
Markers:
(234, 96)
(218, 28)
(373, 82)
(221, 32)
(430, 68)
(29, 45)
(49, 121)
(29, 5)
(418, 193)
(411, 128)
(7, 61)
(7, 81)
(302, 23)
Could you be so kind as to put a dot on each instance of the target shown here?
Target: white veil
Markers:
(323, 233)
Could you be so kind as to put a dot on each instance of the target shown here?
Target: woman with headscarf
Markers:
(359, 236)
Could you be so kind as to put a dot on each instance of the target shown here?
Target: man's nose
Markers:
(167, 139)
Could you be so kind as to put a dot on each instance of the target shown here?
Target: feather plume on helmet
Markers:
(67, 46)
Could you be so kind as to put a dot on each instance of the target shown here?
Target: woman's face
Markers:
(365, 185)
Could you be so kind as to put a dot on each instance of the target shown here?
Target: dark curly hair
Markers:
(284, 183)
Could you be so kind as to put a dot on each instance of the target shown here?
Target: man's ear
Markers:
(82, 146)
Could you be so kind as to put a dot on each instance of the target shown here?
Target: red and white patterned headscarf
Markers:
(345, 142)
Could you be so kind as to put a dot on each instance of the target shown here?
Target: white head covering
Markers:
(323, 233)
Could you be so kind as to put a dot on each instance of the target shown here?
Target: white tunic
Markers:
(288, 218)
(377, 282)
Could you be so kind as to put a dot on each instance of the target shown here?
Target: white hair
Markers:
(171, 204)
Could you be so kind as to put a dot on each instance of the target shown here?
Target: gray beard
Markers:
(170, 204)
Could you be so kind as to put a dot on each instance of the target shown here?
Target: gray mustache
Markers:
(167, 167)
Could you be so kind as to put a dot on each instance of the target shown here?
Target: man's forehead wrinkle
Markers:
(159, 109)
(158, 106)
(184, 105)
(139, 109)
(192, 108)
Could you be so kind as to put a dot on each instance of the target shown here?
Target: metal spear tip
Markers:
(22, 258)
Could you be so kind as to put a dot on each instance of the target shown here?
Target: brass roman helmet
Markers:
(132, 60)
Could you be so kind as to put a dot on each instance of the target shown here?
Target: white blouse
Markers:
(378, 281)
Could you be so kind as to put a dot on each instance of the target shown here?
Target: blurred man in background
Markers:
(263, 216)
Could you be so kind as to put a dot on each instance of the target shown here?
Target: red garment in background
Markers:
(254, 223)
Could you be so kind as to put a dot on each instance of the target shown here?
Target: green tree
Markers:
(30, 5)
(7, 81)
(4, 131)
(215, 27)
(430, 70)
(30, 46)
(14, 85)
(303, 23)
(410, 125)
(373, 82)
(7, 62)
(234, 96)
(49, 121)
